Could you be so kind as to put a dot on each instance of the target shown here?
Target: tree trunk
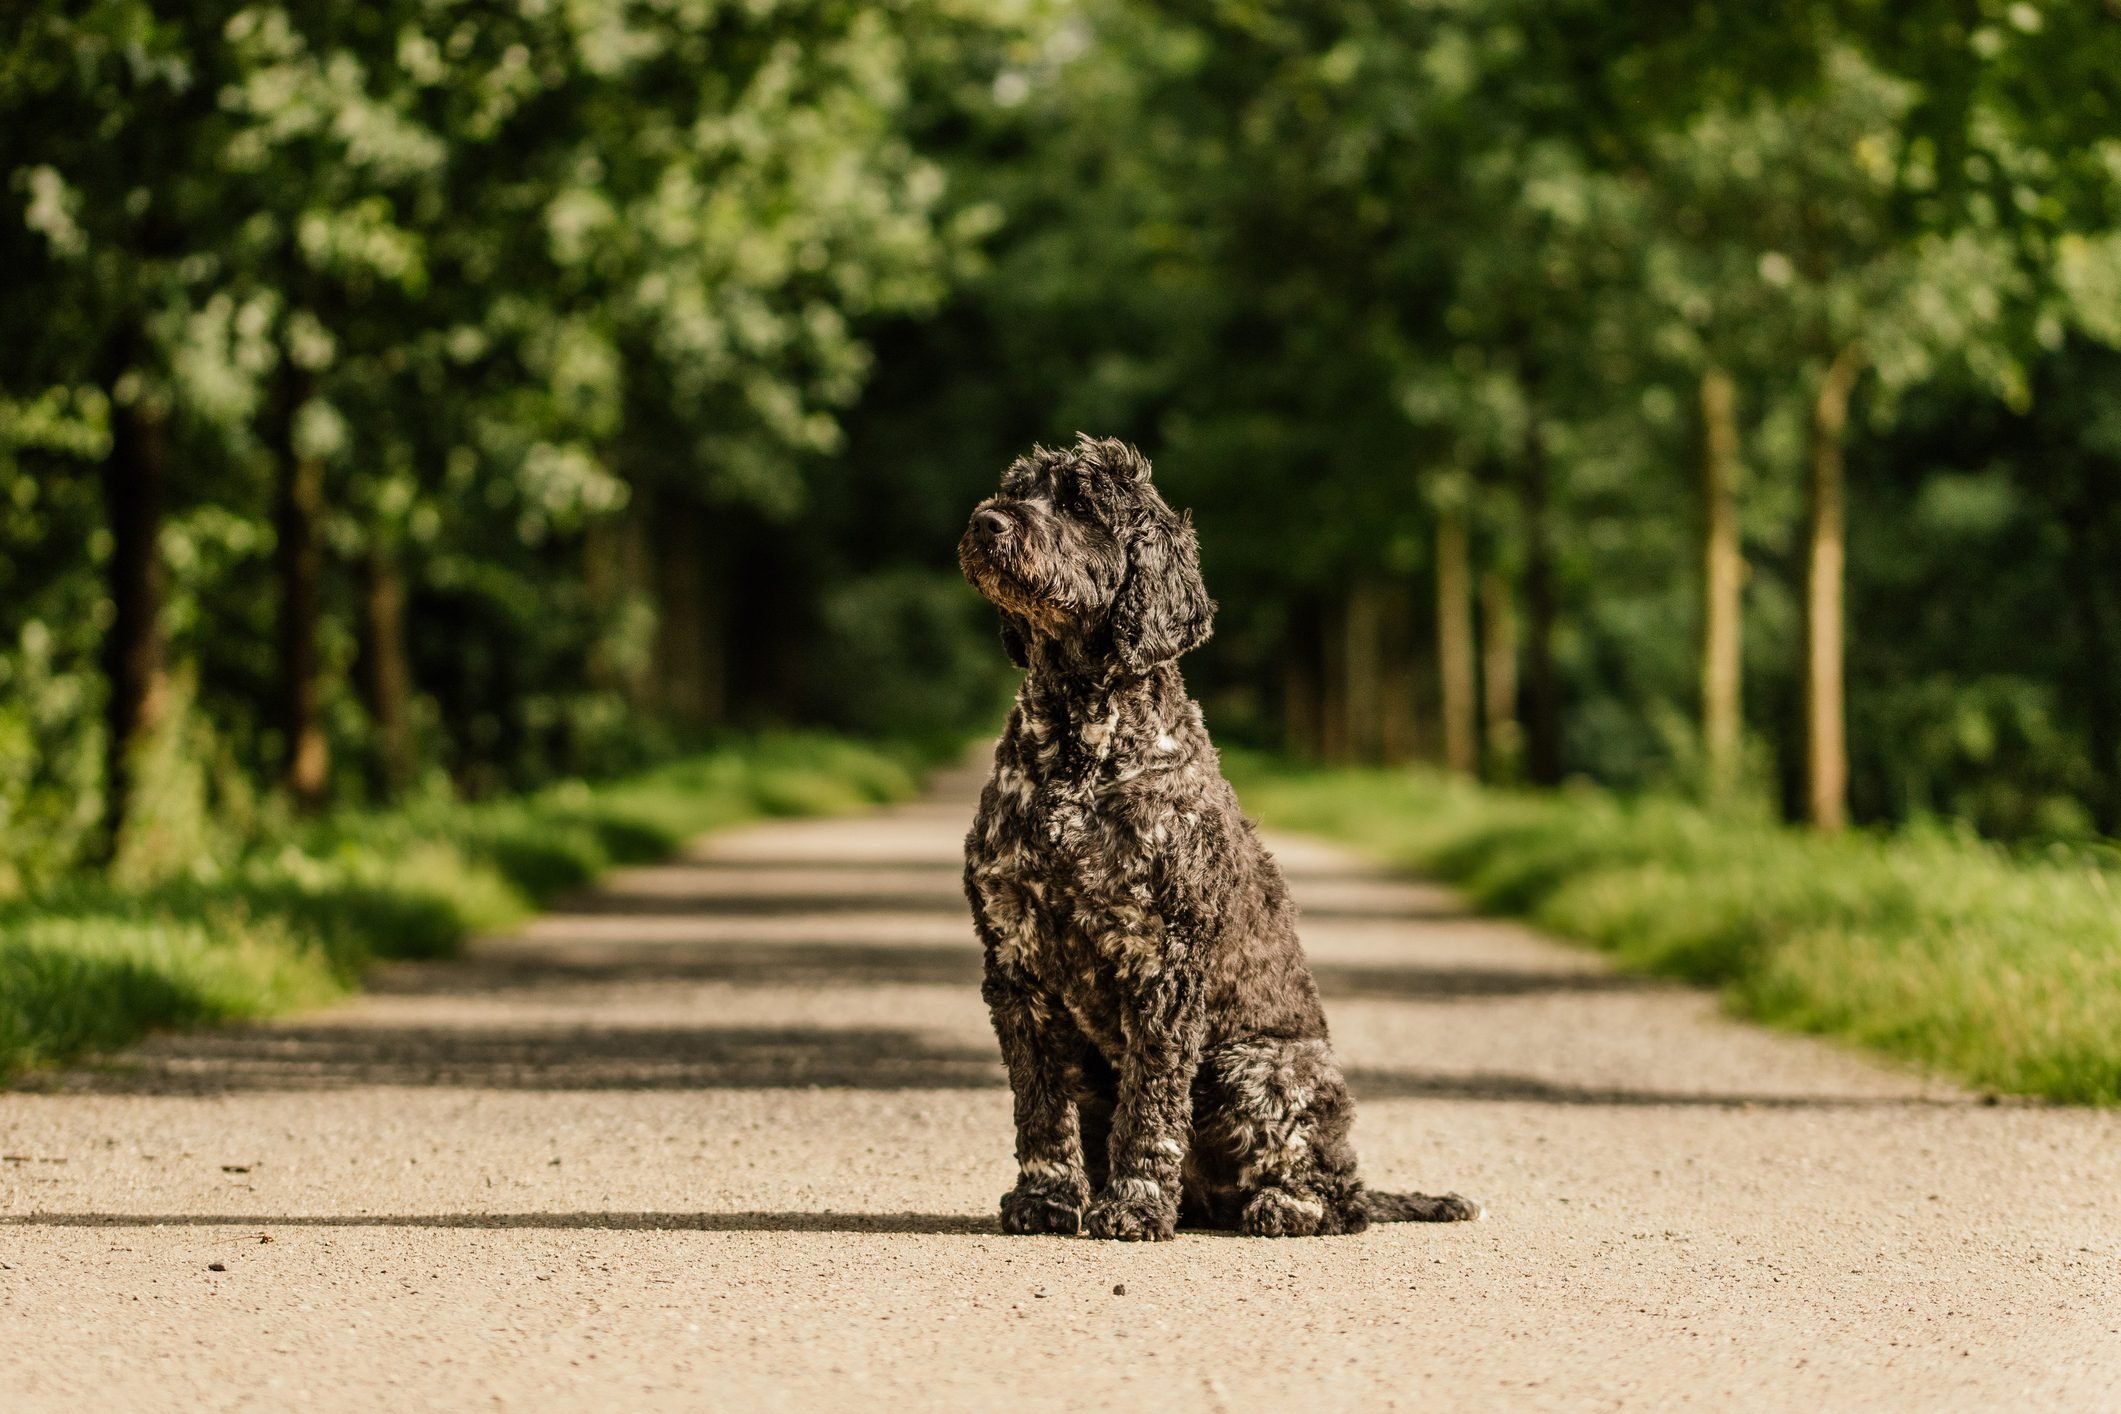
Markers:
(1454, 641)
(1334, 747)
(133, 479)
(1722, 583)
(1302, 682)
(603, 581)
(1399, 687)
(691, 648)
(1544, 755)
(1825, 560)
(1363, 664)
(2088, 586)
(386, 678)
(617, 573)
(298, 514)
(1498, 674)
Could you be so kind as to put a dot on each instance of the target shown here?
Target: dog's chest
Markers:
(1063, 860)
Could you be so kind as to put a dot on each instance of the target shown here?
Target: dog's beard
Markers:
(1012, 585)
(985, 573)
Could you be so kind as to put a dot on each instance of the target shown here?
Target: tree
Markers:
(1787, 251)
(1722, 587)
(105, 113)
(1454, 639)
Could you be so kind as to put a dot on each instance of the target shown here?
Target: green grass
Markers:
(90, 968)
(2002, 970)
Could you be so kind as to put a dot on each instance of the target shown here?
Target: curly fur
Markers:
(1162, 1033)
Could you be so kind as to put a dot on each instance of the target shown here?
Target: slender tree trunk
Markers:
(1544, 754)
(603, 583)
(1825, 562)
(691, 638)
(618, 572)
(1454, 641)
(604, 579)
(1498, 676)
(1334, 747)
(1363, 660)
(133, 650)
(298, 514)
(1399, 692)
(1299, 709)
(1722, 584)
(2089, 587)
(1302, 681)
(386, 677)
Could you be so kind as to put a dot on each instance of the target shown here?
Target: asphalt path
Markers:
(729, 1132)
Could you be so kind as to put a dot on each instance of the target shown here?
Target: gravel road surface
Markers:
(728, 1134)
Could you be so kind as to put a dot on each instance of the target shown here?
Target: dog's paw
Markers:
(1037, 1208)
(1133, 1211)
(1275, 1212)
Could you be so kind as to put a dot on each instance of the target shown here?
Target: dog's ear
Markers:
(1115, 458)
(1015, 641)
(1163, 608)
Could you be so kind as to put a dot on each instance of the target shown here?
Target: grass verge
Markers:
(2002, 970)
(90, 968)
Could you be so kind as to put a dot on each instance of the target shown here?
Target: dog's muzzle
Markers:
(990, 548)
(990, 527)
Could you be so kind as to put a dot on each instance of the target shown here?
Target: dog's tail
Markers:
(1421, 1208)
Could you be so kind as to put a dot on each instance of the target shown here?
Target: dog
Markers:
(1164, 1040)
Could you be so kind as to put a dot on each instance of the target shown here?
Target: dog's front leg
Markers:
(1164, 1023)
(1051, 1187)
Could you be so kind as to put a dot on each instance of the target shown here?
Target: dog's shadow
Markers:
(898, 1224)
(841, 1224)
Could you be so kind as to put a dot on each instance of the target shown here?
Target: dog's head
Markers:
(1078, 547)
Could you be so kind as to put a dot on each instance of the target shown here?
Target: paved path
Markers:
(729, 1134)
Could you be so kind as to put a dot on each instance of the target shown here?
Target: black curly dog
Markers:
(1163, 1036)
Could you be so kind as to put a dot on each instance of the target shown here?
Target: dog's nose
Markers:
(993, 524)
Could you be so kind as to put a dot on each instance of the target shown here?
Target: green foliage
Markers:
(91, 966)
(909, 653)
(646, 359)
(1337, 266)
(508, 279)
(2002, 970)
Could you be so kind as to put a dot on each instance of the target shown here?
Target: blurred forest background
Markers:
(425, 397)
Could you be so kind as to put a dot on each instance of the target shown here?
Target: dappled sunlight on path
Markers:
(736, 1123)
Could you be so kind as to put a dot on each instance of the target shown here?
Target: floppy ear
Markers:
(1163, 608)
(1015, 642)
